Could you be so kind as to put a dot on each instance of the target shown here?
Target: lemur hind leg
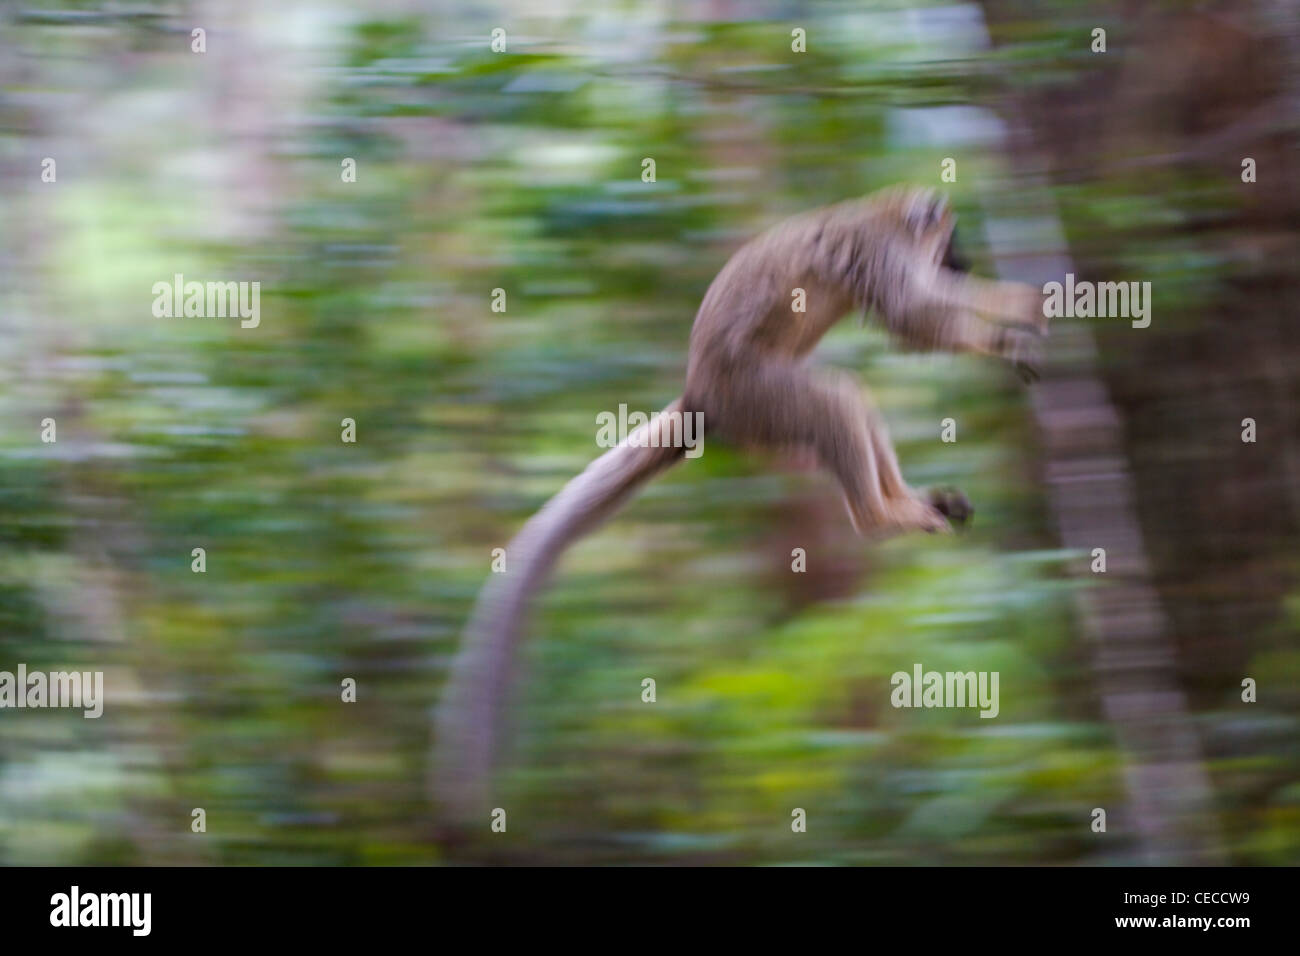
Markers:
(950, 502)
(781, 406)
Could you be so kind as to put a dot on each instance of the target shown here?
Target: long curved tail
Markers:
(467, 725)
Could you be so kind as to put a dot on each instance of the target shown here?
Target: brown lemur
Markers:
(891, 254)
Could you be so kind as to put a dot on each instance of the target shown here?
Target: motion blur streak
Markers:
(180, 510)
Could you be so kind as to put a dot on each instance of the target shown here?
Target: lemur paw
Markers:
(1032, 310)
(952, 504)
(1028, 372)
(1024, 350)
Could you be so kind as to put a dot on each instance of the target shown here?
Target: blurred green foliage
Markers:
(328, 560)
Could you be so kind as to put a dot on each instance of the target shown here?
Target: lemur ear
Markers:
(927, 209)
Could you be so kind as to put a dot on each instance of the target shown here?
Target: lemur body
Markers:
(749, 375)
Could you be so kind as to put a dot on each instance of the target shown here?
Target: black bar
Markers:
(441, 904)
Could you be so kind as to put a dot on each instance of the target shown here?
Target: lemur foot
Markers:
(920, 514)
(952, 504)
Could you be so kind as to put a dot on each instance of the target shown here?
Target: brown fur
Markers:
(748, 374)
(885, 254)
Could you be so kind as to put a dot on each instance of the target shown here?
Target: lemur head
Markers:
(930, 221)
